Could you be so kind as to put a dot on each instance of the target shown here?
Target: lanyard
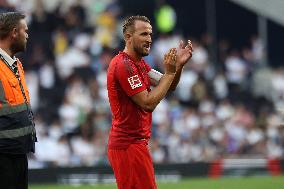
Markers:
(30, 113)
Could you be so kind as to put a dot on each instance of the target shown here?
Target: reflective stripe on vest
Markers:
(14, 133)
(2, 94)
(8, 109)
(5, 108)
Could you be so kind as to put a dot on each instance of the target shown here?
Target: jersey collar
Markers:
(8, 58)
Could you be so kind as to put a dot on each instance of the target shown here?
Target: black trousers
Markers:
(13, 171)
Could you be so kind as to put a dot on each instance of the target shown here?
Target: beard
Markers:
(18, 46)
(140, 50)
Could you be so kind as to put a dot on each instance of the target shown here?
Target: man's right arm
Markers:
(149, 100)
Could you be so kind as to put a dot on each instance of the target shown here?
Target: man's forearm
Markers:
(176, 79)
(160, 91)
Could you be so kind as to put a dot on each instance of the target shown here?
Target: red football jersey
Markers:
(130, 123)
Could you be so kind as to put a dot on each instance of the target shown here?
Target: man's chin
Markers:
(142, 52)
(145, 53)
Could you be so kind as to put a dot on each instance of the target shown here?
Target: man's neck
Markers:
(132, 54)
(5, 48)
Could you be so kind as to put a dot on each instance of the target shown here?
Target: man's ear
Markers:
(127, 36)
(14, 32)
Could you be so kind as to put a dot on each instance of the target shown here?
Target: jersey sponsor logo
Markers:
(134, 82)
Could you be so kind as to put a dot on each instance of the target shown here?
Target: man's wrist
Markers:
(169, 74)
(179, 66)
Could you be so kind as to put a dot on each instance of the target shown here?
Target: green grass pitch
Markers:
(261, 182)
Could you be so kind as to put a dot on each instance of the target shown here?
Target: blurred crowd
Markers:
(232, 107)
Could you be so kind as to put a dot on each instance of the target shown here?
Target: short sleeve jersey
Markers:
(130, 123)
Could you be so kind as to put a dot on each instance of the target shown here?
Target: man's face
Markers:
(141, 38)
(20, 38)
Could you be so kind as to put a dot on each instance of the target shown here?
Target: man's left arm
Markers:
(184, 53)
(176, 79)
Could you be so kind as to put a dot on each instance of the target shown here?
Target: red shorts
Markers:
(133, 167)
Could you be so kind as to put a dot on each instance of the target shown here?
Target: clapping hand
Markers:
(170, 60)
(184, 53)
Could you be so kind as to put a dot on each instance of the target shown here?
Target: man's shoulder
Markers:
(117, 59)
(122, 62)
(121, 58)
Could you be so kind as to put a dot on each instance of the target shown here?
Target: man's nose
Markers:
(149, 39)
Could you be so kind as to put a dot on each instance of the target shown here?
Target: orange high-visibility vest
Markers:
(11, 97)
(17, 131)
